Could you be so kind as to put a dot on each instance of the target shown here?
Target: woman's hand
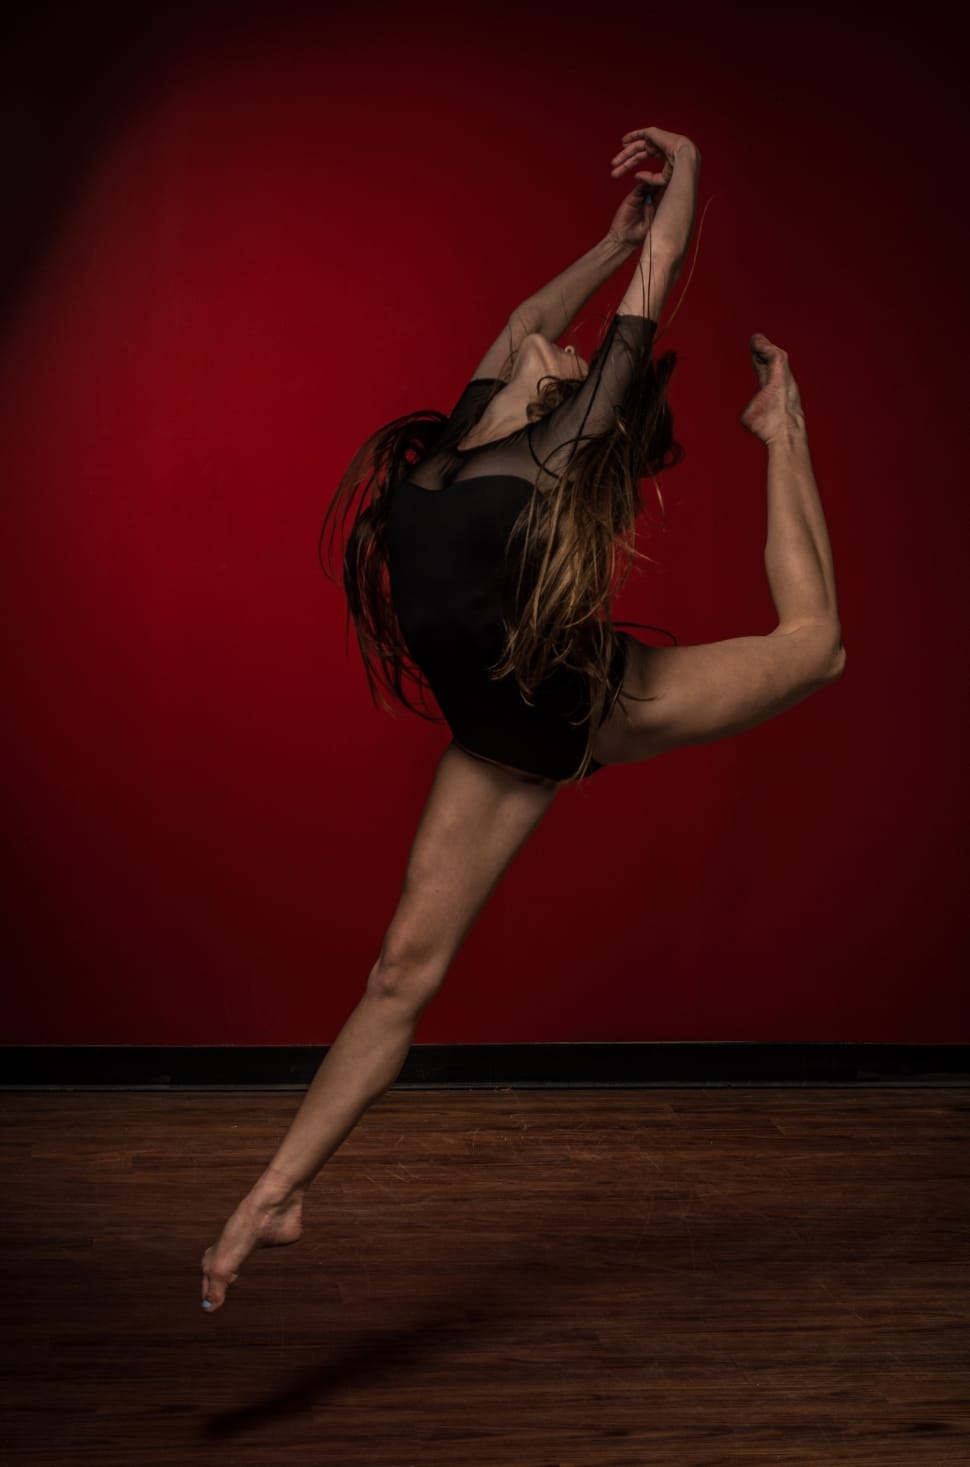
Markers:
(632, 220)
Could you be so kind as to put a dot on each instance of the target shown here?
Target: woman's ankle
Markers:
(275, 1187)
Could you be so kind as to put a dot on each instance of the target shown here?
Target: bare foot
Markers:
(268, 1216)
(777, 405)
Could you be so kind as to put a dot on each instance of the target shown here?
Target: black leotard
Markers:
(448, 525)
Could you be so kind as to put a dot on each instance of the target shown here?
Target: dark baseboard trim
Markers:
(489, 1066)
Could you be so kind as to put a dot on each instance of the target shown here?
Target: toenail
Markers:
(206, 1304)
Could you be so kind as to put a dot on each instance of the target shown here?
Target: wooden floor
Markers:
(566, 1278)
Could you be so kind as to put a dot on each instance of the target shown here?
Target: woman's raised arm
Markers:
(553, 308)
(668, 239)
(661, 231)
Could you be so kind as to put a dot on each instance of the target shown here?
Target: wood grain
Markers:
(562, 1278)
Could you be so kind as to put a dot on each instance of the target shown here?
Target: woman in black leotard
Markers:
(483, 567)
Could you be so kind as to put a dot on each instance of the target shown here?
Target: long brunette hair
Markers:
(573, 544)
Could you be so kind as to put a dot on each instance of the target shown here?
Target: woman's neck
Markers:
(505, 414)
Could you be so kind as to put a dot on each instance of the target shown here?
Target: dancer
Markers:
(483, 566)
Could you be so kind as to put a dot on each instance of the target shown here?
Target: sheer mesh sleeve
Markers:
(442, 460)
(470, 406)
(619, 361)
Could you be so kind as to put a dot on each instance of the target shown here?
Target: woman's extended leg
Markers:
(477, 817)
(693, 695)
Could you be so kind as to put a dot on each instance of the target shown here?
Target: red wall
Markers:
(234, 247)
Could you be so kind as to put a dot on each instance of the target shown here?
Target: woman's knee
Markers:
(410, 980)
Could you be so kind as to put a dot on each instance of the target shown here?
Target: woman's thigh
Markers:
(477, 817)
(672, 697)
(628, 734)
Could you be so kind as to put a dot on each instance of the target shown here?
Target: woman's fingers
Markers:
(635, 154)
(662, 175)
(654, 139)
(641, 136)
(642, 145)
(633, 162)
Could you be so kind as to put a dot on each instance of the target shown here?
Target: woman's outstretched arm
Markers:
(714, 690)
